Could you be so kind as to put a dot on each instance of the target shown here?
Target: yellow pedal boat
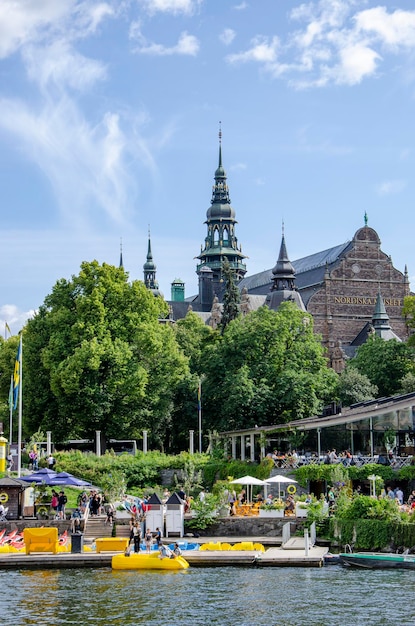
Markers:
(148, 561)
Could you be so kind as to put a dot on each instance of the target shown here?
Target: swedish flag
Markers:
(16, 377)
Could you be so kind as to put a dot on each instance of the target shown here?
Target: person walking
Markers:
(148, 540)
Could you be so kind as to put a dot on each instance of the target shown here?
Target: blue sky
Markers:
(109, 117)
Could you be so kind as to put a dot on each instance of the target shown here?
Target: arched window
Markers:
(216, 236)
(225, 235)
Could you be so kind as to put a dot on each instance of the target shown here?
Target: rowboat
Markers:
(147, 561)
(378, 560)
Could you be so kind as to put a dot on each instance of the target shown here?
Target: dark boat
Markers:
(378, 560)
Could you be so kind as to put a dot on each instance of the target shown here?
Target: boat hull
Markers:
(147, 561)
(373, 560)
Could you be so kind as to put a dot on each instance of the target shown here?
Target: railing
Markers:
(358, 461)
(86, 515)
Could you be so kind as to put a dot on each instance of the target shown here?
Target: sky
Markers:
(109, 120)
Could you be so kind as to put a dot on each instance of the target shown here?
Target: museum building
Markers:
(351, 290)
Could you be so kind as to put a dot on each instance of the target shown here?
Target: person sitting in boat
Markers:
(177, 551)
(165, 552)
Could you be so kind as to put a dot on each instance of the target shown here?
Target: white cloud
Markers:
(41, 21)
(227, 36)
(262, 50)
(175, 7)
(187, 45)
(241, 6)
(334, 44)
(391, 29)
(388, 187)
(60, 64)
(237, 167)
(24, 21)
(86, 165)
(14, 318)
(356, 62)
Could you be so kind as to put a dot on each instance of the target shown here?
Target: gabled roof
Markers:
(13, 482)
(309, 270)
(174, 499)
(154, 499)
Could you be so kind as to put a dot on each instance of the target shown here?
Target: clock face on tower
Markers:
(355, 268)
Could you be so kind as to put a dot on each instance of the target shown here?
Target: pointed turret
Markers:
(380, 320)
(221, 242)
(121, 261)
(283, 282)
(150, 270)
(283, 271)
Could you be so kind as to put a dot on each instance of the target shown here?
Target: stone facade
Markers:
(346, 300)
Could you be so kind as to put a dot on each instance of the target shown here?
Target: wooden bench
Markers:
(112, 544)
(41, 540)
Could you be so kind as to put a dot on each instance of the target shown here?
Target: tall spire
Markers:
(221, 242)
(283, 283)
(380, 319)
(121, 261)
(150, 268)
(283, 271)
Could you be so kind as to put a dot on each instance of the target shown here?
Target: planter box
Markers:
(300, 511)
(264, 513)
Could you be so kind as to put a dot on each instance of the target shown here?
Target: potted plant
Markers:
(301, 509)
(42, 512)
(274, 509)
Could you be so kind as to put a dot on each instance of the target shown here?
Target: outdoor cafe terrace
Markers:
(375, 417)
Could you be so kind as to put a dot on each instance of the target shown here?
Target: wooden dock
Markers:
(273, 557)
(283, 557)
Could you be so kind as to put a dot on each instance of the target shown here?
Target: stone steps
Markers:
(96, 527)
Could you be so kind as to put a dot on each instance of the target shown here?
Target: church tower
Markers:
(220, 242)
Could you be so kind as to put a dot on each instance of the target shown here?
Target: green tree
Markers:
(231, 296)
(193, 337)
(385, 363)
(268, 368)
(408, 311)
(355, 387)
(407, 383)
(97, 358)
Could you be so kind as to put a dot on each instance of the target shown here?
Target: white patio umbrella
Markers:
(279, 478)
(248, 481)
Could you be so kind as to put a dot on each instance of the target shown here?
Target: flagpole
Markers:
(11, 411)
(19, 430)
(199, 408)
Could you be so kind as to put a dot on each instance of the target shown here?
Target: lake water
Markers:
(225, 596)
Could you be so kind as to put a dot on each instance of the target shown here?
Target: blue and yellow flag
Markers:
(16, 377)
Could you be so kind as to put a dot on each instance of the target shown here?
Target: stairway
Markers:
(123, 530)
(96, 527)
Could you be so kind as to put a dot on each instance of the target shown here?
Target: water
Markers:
(225, 596)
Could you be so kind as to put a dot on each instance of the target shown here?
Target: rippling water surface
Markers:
(223, 596)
